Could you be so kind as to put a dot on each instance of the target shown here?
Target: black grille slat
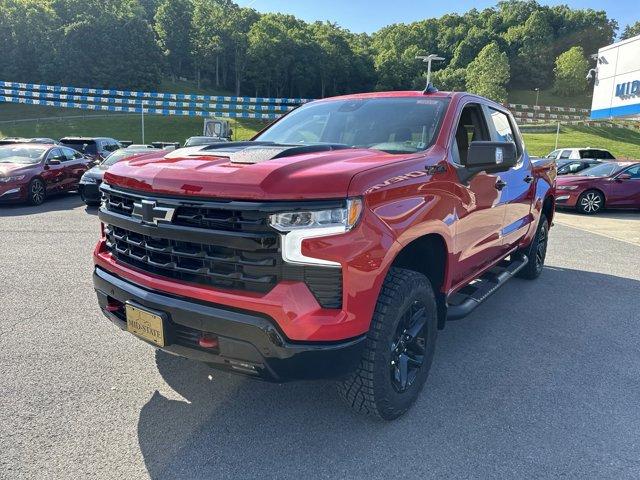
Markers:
(227, 247)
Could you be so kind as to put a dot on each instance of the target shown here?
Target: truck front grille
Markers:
(227, 245)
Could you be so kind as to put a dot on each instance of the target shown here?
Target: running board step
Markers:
(465, 300)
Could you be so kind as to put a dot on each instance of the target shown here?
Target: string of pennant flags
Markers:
(156, 95)
(130, 109)
(155, 103)
(196, 105)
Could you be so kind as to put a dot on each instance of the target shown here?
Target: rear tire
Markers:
(398, 350)
(37, 192)
(537, 251)
(590, 202)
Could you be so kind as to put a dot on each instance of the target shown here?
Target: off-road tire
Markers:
(370, 389)
(537, 251)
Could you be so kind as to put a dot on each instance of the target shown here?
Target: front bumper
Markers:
(248, 342)
(90, 192)
(567, 198)
(9, 193)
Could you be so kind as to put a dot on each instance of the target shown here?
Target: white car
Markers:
(580, 153)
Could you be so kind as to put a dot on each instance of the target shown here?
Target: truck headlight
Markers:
(295, 227)
(566, 187)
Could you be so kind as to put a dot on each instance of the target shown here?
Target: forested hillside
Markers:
(135, 43)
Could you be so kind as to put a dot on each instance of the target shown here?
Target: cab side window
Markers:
(565, 154)
(501, 123)
(471, 127)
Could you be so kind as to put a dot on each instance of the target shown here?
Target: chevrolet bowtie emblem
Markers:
(149, 212)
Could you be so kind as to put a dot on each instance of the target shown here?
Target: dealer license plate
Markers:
(145, 324)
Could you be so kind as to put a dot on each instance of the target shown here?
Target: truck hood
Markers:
(252, 171)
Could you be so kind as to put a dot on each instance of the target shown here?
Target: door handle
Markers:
(528, 179)
(500, 184)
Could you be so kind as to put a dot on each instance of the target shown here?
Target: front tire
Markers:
(398, 350)
(537, 251)
(590, 202)
(37, 192)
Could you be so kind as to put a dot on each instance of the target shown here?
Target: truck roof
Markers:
(391, 94)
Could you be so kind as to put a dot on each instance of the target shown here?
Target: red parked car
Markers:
(335, 244)
(608, 185)
(30, 172)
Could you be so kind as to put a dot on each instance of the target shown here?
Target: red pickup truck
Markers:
(333, 245)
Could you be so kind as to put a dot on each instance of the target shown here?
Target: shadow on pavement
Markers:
(521, 388)
(64, 201)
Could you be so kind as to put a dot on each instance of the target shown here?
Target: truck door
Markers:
(518, 190)
(480, 214)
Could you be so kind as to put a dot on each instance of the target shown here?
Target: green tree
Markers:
(489, 74)
(448, 79)
(173, 27)
(531, 47)
(571, 69)
(631, 31)
(27, 27)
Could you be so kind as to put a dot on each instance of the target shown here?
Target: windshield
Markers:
(393, 125)
(84, 146)
(602, 170)
(196, 141)
(21, 154)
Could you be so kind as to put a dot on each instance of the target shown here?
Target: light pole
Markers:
(537, 95)
(428, 59)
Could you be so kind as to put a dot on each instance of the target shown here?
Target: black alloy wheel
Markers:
(408, 347)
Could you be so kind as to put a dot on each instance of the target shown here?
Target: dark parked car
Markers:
(31, 171)
(611, 185)
(90, 182)
(97, 148)
(571, 167)
(198, 141)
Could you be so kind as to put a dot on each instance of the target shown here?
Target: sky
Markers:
(369, 15)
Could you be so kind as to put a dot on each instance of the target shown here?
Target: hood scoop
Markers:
(250, 153)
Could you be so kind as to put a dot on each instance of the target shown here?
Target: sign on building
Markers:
(617, 86)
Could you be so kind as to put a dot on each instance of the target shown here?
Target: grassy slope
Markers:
(157, 128)
(622, 142)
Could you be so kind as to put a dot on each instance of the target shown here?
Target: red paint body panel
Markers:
(405, 197)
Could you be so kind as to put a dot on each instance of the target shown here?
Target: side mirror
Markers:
(623, 176)
(491, 156)
(53, 161)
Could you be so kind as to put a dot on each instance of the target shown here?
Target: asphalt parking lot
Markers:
(541, 381)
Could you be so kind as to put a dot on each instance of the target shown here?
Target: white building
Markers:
(617, 87)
